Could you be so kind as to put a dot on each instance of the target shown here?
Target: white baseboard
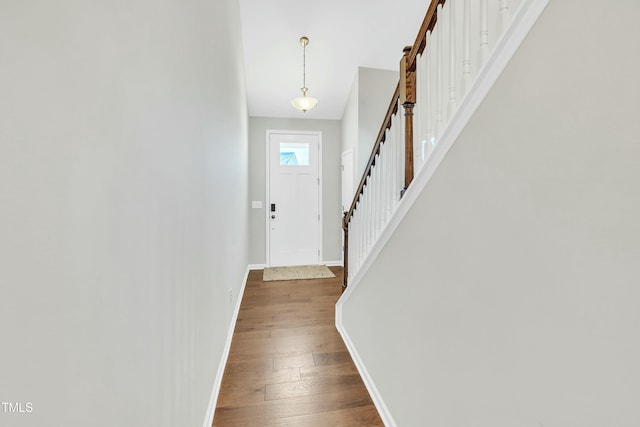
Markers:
(327, 263)
(257, 266)
(208, 420)
(383, 411)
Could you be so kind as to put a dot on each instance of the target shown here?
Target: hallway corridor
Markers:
(288, 365)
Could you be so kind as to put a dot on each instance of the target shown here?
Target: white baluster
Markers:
(393, 160)
(361, 242)
(388, 167)
(359, 235)
(423, 111)
(430, 101)
(466, 48)
(426, 110)
(376, 207)
(483, 52)
(349, 251)
(451, 107)
(394, 149)
(361, 226)
(400, 145)
(381, 199)
(384, 158)
(418, 114)
(353, 246)
(354, 243)
(370, 222)
(367, 217)
(374, 191)
(392, 169)
(384, 155)
(443, 31)
(370, 209)
(380, 205)
(360, 217)
(504, 16)
(363, 230)
(437, 34)
(366, 221)
(388, 174)
(393, 131)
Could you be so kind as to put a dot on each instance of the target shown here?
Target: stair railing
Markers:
(435, 74)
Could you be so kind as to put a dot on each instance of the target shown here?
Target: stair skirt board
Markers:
(383, 411)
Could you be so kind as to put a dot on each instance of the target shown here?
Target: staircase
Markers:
(459, 51)
(498, 286)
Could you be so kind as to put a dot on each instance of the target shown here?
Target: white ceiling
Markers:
(343, 35)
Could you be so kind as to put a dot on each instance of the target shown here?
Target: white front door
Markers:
(293, 198)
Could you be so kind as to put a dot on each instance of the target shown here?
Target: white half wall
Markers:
(123, 208)
(509, 294)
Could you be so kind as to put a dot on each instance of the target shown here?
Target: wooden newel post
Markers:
(345, 227)
(408, 100)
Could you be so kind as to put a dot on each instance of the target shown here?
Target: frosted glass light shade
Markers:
(304, 103)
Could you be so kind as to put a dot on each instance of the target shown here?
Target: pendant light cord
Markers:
(304, 68)
(304, 102)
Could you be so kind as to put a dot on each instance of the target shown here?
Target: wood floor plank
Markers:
(303, 330)
(259, 371)
(327, 370)
(332, 358)
(232, 392)
(312, 385)
(259, 413)
(288, 365)
(258, 324)
(295, 361)
(364, 416)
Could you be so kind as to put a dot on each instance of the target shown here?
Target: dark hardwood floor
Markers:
(288, 365)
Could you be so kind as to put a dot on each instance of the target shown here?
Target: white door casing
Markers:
(294, 226)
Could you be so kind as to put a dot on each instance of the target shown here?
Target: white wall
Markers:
(375, 88)
(331, 190)
(349, 124)
(123, 190)
(363, 114)
(509, 294)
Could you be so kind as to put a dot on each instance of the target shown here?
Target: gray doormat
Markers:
(299, 272)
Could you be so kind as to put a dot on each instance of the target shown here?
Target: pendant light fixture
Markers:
(304, 102)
